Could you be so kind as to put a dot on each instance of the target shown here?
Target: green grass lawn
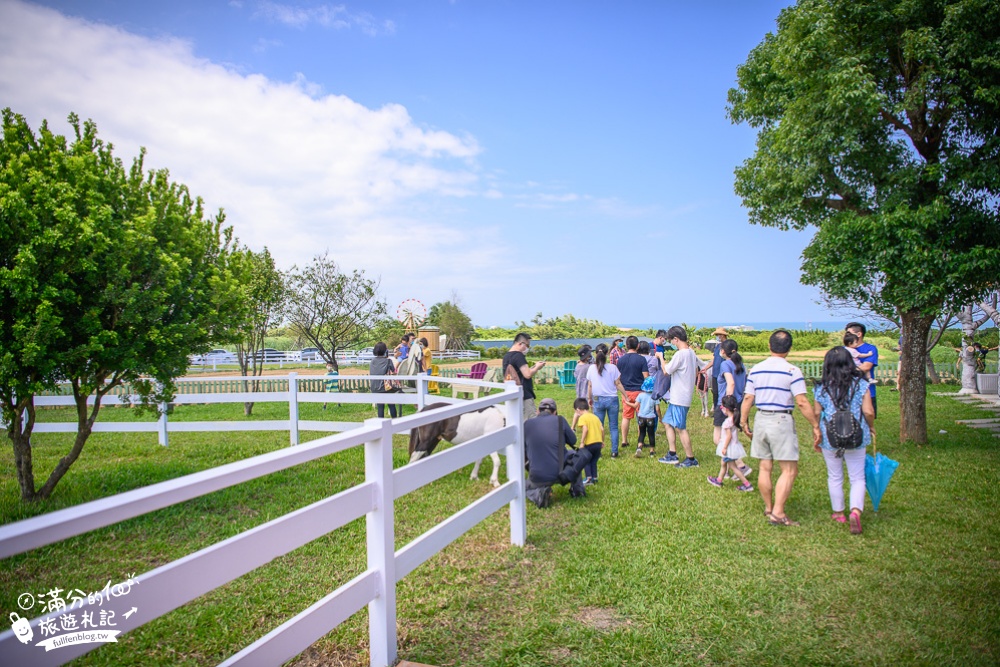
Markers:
(653, 567)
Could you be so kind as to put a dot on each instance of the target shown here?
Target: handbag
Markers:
(391, 386)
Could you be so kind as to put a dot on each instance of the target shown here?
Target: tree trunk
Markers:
(967, 355)
(244, 360)
(931, 371)
(990, 308)
(84, 427)
(19, 431)
(912, 381)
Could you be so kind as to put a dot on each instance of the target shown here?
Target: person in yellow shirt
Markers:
(591, 437)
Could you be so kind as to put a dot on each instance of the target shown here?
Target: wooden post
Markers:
(381, 547)
(293, 408)
(421, 391)
(515, 466)
(162, 432)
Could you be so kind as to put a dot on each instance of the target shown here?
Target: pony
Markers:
(457, 430)
(704, 385)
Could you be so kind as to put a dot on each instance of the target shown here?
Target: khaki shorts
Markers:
(774, 437)
(528, 409)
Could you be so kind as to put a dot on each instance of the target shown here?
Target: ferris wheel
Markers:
(412, 314)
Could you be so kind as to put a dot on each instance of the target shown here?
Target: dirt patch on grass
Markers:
(319, 655)
(561, 654)
(601, 618)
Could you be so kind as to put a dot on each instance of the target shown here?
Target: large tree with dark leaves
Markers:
(879, 127)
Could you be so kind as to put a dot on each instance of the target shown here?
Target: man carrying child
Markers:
(868, 355)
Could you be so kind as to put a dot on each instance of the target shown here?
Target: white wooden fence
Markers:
(170, 586)
(293, 396)
(344, 358)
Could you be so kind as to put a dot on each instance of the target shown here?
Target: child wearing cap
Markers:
(648, 417)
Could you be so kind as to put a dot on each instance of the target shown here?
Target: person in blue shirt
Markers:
(721, 335)
(868, 364)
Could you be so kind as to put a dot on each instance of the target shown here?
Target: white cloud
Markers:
(264, 45)
(295, 170)
(338, 17)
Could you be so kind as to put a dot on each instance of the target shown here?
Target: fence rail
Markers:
(291, 389)
(344, 358)
(170, 586)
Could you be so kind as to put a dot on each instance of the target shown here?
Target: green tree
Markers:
(878, 126)
(332, 309)
(454, 323)
(263, 296)
(107, 276)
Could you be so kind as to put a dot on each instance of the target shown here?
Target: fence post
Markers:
(515, 465)
(381, 546)
(293, 407)
(162, 432)
(421, 391)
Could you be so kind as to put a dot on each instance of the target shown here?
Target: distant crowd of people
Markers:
(635, 380)
(411, 357)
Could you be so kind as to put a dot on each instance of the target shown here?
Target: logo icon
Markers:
(21, 628)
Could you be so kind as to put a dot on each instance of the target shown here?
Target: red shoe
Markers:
(855, 523)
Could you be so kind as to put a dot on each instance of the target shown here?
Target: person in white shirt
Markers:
(683, 370)
(777, 387)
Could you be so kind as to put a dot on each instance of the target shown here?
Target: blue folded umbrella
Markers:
(878, 471)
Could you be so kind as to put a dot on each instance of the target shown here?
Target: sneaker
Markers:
(614, 455)
(746, 470)
(638, 453)
(745, 487)
(715, 481)
(652, 453)
(589, 481)
(670, 459)
(688, 463)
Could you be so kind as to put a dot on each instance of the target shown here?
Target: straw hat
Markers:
(720, 332)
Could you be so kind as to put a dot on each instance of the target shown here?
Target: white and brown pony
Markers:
(458, 430)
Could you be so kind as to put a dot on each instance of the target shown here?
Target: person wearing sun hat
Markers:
(648, 417)
(721, 335)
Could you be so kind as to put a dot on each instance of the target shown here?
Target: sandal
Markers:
(855, 523)
(839, 518)
(783, 521)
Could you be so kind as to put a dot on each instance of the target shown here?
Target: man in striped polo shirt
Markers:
(776, 386)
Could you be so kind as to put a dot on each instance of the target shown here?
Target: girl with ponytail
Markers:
(602, 393)
(730, 449)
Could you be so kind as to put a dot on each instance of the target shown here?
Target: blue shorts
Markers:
(677, 416)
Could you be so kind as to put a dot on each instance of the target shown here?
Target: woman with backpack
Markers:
(847, 422)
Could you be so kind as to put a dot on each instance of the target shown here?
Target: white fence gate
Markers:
(170, 586)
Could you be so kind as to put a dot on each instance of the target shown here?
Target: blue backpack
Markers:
(661, 384)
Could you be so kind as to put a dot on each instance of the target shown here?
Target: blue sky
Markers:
(526, 156)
